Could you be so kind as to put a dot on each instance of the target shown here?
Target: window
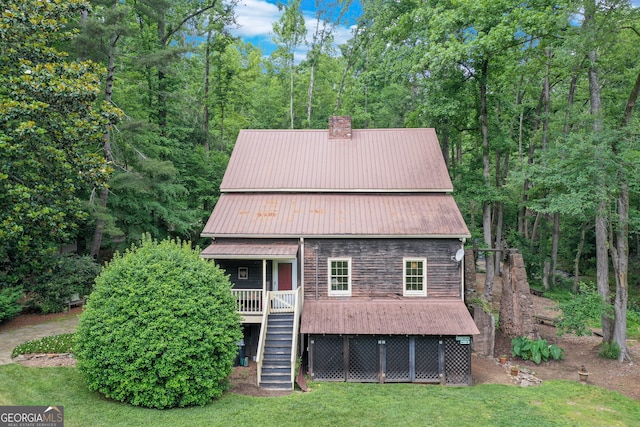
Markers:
(415, 276)
(339, 276)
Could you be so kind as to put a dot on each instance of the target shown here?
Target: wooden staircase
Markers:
(276, 360)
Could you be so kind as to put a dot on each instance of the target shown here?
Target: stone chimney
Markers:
(340, 127)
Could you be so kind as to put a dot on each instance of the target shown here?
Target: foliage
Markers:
(160, 328)
(609, 350)
(633, 324)
(486, 306)
(62, 343)
(536, 350)
(69, 274)
(577, 313)
(52, 127)
(9, 303)
(553, 403)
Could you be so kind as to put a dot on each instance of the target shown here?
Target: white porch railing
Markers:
(282, 301)
(248, 301)
(297, 310)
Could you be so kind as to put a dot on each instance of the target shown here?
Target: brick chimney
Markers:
(340, 127)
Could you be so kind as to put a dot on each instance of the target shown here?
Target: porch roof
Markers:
(387, 317)
(249, 251)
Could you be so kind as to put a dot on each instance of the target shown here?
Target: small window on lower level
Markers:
(339, 276)
(415, 276)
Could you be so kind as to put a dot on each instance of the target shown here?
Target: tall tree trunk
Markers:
(549, 267)
(620, 258)
(602, 268)
(207, 85)
(602, 216)
(524, 212)
(576, 262)
(621, 261)
(555, 239)
(487, 206)
(291, 80)
(108, 155)
(312, 77)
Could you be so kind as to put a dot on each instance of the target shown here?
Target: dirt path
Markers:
(34, 326)
(579, 351)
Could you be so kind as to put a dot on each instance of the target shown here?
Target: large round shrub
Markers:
(160, 328)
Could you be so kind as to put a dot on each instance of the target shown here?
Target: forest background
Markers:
(117, 118)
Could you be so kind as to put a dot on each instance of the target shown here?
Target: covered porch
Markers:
(259, 273)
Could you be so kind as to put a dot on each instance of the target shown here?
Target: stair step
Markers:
(276, 376)
(276, 385)
(281, 370)
(277, 355)
(278, 344)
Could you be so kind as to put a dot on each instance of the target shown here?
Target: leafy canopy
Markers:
(52, 127)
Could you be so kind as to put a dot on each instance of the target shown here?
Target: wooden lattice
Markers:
(457, 364)
(426, 354)
(363, 359)
(398, 359)
(328, 360)
(392, 358)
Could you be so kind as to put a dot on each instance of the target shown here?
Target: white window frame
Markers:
(340, 293)
(412, 293)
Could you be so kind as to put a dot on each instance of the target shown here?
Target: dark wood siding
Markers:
(254, 280)
(377, 267)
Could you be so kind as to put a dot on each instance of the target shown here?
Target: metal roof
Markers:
(248, 251)
(378, 160)
(387, 317)
(336, 215)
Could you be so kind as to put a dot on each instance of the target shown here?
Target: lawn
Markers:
(555, 403)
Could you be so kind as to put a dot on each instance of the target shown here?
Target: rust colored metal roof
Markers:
(387, 317)
(245, 251)
(335, 215)
(387, 160)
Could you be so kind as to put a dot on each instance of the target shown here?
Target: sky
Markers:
(256, 18)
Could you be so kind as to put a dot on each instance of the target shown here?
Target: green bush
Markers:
(68, 275)
(584, 308)
(536, 350)
(62, 343)
(160, 328)
(9, 305)
(609, 350)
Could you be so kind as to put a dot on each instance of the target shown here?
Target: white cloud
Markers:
(255, 18)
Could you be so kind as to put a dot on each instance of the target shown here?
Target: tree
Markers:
(289, 32)
(160, 329)
(52, 128)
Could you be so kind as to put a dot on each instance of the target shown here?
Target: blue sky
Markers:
(256, 18)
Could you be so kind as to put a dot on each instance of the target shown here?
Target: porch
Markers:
(255, 270)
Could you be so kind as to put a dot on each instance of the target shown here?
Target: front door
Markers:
(284, 277)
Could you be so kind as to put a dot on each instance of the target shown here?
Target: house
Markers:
(344, 247)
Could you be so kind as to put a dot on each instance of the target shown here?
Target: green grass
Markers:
(555, 403)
